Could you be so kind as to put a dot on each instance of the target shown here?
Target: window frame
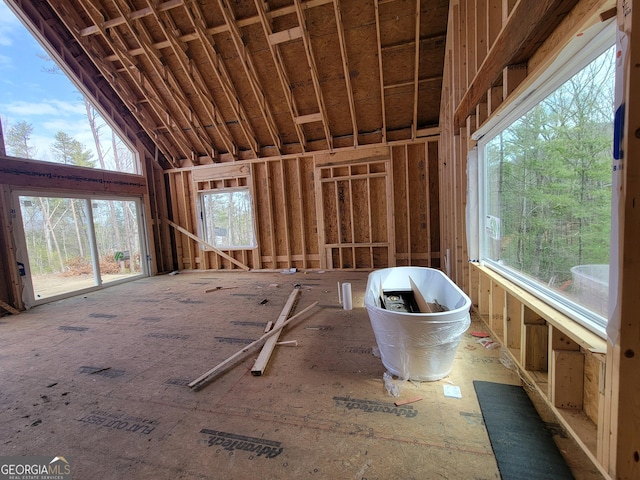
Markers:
(202, 221)
(576, 56)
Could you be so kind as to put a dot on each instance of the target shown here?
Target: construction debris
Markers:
(215, 289)
(207, 377)
(267, 350)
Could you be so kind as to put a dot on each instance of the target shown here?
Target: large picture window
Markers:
(227, 218)
(547, 191)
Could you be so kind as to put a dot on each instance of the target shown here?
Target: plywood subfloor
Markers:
(101, 379)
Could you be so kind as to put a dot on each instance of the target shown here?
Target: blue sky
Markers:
(50, 102)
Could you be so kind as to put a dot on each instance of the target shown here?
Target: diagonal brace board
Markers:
(207, 377)
(9, 308)
(200, 240)
(270, 344)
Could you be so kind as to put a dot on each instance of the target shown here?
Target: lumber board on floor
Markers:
(208, 376)
(267, 349)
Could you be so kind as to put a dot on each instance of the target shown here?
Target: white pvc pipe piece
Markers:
(347, 301)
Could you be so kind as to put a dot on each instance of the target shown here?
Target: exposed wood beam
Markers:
(526, 18)
(285, 36)
(168, 79)
(261, 362)
(208, 376)
(315, 77)
(177, 141)
(102, 96)
(412, 82)
(428, 132)
(312, 117)
(177, 137)
(382, 101)
(209, 246)
(194, 77)
(198, 22)
(250, 72)
(416, 71)
(211, 31)
(9, 308)
(132, 15)
(400, 45)
(282, 74)
(162, 7)
(347, 71)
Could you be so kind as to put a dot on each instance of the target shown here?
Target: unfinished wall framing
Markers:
(495, 50)
(353, 209)
(564, 361)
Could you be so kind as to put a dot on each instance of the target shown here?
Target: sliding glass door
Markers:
(69, 245)
(117, 238)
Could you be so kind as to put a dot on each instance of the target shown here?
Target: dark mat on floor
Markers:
(523, 446)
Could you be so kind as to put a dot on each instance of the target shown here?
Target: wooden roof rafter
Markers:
(381, 73)
(169, 82)
(170, 4)
(259, 77)
(315, 78)
(131, 15)
(282, 74)
(412, 82)
(525, 22)
(197, 84)
(347, 72)
(119, 47)
(250, 71)
(416, 74)
(102, 96)
(196, 17)
(73, 23)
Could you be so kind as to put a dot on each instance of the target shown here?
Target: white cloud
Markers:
(45, 107)
(8, 24)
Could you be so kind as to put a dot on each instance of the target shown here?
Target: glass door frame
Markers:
(22, 252)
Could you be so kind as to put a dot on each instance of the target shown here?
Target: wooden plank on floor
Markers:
(206, 377)
(265, 354)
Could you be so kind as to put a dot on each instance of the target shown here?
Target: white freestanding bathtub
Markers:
(417, 346)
